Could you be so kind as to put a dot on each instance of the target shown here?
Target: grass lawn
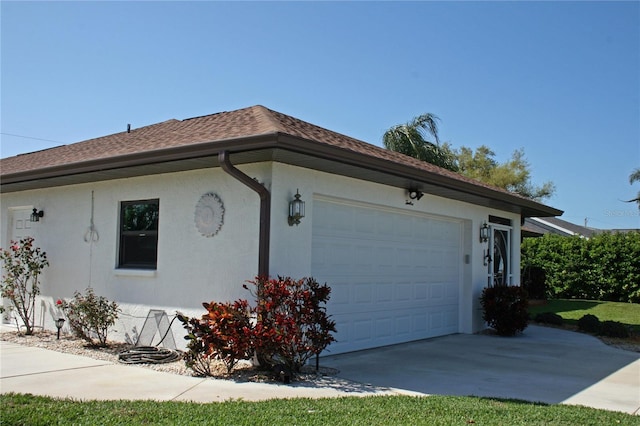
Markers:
(572, 310)
(20, 409)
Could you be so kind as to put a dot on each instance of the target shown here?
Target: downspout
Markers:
(265, 211)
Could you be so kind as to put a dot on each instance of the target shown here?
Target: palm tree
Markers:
(412, 139)
(635, 177)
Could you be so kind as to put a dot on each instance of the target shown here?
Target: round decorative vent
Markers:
(209, 214)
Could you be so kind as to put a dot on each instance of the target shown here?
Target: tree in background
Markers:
(635, 177)
(413, 139)
(514, 175)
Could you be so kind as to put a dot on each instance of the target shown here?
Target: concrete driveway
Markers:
(543, 365)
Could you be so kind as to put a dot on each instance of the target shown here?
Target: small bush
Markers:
(614, 329)
(549, 318)
(22, 265)
(90, 316)
(589, 323)
(505, 309)
(223, 333)
(292, 323)
(534, 282)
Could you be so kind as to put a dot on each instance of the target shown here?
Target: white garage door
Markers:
(394, 276)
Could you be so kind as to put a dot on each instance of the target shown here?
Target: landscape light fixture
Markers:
(296, 210)
(59, 324)
(36, 215)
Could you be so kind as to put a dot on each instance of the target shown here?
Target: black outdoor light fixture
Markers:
(296, 210)
(415, 194)
(484, 238)
(59, 324)
(36, 215)
(484, 233)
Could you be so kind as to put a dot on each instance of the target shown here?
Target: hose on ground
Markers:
(148, 355)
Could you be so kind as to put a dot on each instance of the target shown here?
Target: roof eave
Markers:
(276, 140)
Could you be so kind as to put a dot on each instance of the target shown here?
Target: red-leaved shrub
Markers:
(223, 333)
(505, 309)
(292, 322)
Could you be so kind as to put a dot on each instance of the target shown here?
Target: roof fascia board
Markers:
(386, 166)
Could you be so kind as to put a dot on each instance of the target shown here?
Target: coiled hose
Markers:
(148, 355)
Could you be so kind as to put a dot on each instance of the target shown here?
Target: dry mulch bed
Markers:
(244, 371)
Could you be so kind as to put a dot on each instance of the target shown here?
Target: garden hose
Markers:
(148, 355)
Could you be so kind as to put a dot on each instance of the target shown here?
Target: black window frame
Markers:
(138, 248)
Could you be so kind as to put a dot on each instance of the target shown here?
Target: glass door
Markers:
(499, 264)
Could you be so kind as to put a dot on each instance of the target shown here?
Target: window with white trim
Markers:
(138, 234)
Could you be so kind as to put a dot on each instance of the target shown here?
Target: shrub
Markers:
(533, 281)
(614, 329)
(223, 333)
(292, 323)
(549, 318)
(197, 356)
(505, 309)
(602, 267)
(90, 316)
(589, 323)
(22, 264)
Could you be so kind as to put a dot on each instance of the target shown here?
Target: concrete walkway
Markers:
(38, 371)
(544, 364)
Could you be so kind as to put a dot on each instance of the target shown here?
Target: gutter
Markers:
(265, 211)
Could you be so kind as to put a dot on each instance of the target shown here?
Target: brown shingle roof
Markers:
(225, 128)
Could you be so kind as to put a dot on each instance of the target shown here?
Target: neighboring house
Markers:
(185, 211)
(538, 226)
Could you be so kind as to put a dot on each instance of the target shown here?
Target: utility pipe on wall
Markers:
(265, 211)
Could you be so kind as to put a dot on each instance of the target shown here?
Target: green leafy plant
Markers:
(589, 323)
(614, 329)
(602, 267)
(23, 263)
(549, 318)
(292, 322)
(90, 316)
(505, 309)
(223, 333)
(197, 356)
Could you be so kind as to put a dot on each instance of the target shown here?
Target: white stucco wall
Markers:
(192, 268)
(291, 245)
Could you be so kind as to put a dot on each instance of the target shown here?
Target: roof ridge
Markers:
(269, 115)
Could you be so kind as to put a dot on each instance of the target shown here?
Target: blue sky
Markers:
(559, 79)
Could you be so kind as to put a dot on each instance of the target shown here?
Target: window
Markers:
(138, 234)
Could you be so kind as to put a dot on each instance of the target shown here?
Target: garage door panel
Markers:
(394, 276)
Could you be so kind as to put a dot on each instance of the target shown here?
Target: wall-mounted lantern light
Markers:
(484, 233)
(296, 210)
(59, 324)
(36, 215)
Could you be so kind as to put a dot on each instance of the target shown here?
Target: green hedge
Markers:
(603, 267)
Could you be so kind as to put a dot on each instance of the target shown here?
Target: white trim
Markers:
(139, 273)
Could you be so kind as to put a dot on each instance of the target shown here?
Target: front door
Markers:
(500, 269)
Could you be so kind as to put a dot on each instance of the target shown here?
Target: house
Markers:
(173, 214)
(538, 226)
